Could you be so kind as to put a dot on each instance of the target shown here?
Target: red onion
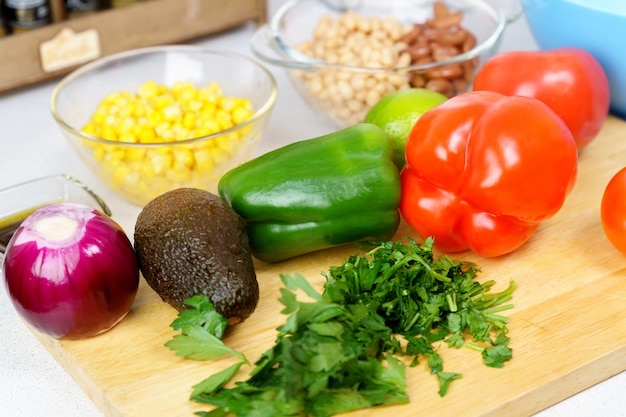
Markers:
(70, 271)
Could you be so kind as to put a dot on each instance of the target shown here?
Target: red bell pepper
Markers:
(484, 170)
(569, 80)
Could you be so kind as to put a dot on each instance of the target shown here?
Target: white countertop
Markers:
(31, 381)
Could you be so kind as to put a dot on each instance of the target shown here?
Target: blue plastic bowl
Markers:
(598, 26)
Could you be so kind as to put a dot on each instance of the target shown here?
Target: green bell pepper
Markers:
(317, 193)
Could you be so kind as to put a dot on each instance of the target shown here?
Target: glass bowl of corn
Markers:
(154, 119)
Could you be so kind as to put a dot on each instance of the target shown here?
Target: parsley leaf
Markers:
(201, 331)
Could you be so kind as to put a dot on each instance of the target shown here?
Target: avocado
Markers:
(190, 242)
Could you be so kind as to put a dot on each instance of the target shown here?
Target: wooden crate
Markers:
(56, 49)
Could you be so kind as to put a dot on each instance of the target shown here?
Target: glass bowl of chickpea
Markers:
(343, 56)
(153, 119)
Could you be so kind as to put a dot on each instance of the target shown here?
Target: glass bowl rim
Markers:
(294, 59)
(263, 110)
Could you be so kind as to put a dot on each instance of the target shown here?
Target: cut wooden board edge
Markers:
(527, 403)
(84, 381)
(553, 391)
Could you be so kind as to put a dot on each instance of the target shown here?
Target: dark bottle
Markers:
(4, 30)
(24, 15)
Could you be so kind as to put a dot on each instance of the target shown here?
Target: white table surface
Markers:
(32, 383)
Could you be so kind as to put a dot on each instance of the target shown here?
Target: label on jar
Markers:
(120, 3)
(69, 48)
(27, 14)
(80, 7)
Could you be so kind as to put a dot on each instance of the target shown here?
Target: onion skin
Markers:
(74, 285)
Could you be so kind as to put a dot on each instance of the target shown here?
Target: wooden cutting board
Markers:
(568, 327)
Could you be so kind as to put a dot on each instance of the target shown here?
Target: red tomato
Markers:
(569, 80)
(613, 210)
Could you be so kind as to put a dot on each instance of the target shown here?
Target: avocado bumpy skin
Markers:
(190, 242)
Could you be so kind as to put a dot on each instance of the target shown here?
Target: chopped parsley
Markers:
(341, 350)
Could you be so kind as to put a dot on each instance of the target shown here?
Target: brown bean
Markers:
(418, 52)
(444, 87)
(460, 85)
(448, 72)
(452, 19)
(440, 10)
(469, 43)
(417, 80)
(424, 61)
(455, 36)
(443, 52)
(414, 34)
(431, 35)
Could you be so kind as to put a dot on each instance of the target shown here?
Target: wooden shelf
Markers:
(145, 23)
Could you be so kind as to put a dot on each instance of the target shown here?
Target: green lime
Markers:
(397, 112)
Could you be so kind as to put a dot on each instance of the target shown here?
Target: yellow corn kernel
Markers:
(146, 170)
(148, 89)
(113, 157)
(189, 120)
(126, 108)
(210, 93)
(112, 98)
(178, 86)
(161, 128)
(135, 154)
(146, 135)
(181, 133)
(120, 174)
(194, 106)
(228, 104)
(220, 156)
(227, 142)
(241, 114)
(212, 126)
(99, 115)
(183, 158)
(160, 161)
(125, 125)
(204, 160)
(108, 132)
(200, 132)
(154, 117)
(99, 152)
(223, 119)
(208, 110)
(167, 135)
(172, 112)
(126, 137)
(158, 185)
(181, 176)
(110, 120)
(140, 109)
(90, 129)
(187, 93)
(162, 101)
